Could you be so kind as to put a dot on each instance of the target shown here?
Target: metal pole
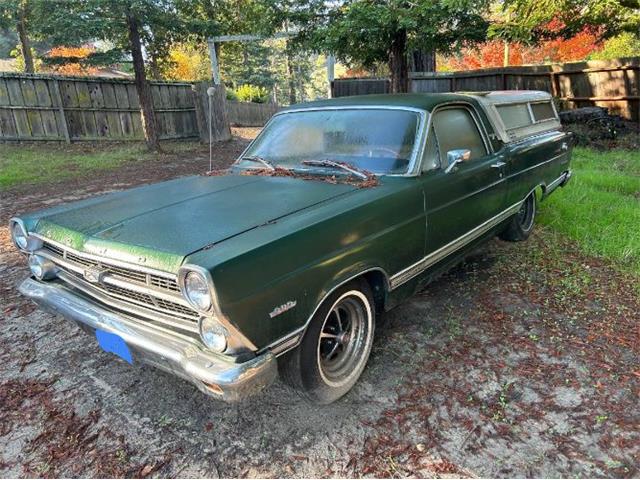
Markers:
(210, 93)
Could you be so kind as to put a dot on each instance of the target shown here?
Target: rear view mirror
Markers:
(455, 157)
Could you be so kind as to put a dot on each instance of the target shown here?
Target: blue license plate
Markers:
(110, 342)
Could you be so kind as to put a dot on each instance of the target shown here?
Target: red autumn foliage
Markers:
(491, 53)
(71, 67)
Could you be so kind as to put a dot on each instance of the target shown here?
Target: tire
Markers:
(521, 224)
(324, 369)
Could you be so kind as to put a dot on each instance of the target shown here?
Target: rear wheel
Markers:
(336, 345)
(521, 224)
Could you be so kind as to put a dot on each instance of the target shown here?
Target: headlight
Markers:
(213, 334)
(42, 268)
(19, 235)
(197, 291)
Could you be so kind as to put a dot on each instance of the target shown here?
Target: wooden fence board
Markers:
(614, 84)
(42, 107)
(247, 114)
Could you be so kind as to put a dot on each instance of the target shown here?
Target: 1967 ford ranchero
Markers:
(336, 212)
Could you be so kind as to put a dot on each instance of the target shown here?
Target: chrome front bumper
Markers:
(212, 373)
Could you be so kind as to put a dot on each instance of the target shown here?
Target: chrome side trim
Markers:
(291, 340)
(434, 257)
(555, 184)
(420, 266)
(538, 165)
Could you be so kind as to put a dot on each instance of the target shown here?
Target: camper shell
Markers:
(517, 114)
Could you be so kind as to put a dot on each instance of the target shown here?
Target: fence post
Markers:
(218, 117)
(199, 91)
(63, 116)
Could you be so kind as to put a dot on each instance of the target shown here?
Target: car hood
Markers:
(160, 224)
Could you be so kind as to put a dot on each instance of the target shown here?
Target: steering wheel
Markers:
(386, 150)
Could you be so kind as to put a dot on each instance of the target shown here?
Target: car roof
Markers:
(421, 101)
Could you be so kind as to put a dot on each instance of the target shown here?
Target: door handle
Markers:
(498, 164)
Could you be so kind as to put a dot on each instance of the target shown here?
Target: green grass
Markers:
(600, 207)
(33, 164)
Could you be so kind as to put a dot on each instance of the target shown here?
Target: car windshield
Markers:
(380, 141)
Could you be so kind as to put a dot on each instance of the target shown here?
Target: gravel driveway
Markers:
(522, 361)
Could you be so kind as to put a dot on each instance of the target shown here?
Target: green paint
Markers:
(271, 240)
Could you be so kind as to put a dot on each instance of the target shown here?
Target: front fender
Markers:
(269, 281)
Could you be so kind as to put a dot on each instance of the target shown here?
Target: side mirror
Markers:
(455, 157)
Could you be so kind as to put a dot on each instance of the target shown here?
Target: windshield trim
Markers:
(418, 146)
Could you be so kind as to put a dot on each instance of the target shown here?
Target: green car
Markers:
(334, 214)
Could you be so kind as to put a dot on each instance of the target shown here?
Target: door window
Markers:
(456, 129)
(431, 158)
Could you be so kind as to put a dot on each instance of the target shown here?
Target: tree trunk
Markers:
(154, 66)
(142, 86)
(423, 61)
(505, 62)
(24, 38)
(291, 80)
(398, 65)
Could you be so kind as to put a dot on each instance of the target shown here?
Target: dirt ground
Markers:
(522, 361)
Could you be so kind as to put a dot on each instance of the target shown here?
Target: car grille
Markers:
(120, 272)
(151, 291)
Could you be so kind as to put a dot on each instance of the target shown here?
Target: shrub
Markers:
(252, 93)
(232, 95)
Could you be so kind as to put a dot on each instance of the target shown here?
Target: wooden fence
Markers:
(247, 114)
(613, 84)
(37, 107)
(56, 108)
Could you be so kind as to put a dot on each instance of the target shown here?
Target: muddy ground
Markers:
(522, 361)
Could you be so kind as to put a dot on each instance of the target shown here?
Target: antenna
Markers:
(210, 93)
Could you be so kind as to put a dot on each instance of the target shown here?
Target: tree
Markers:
(535, 20)
(70, 60)
(492, 53)
(17, 13)
(186, 61)
(626, 44)
(368, 32)
(131, 26)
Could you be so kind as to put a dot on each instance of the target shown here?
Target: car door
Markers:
(462, 202)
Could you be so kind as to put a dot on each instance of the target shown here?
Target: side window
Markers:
(431, 158)
(456, 129)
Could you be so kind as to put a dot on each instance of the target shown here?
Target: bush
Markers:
(626, 44)
(232, 95)
(252, 93)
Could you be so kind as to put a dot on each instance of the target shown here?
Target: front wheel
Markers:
(335, 347)
(521, 224)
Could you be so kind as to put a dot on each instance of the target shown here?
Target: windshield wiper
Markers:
(261, 160)
(331, 163)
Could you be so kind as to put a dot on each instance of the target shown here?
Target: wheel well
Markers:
(378, 282)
